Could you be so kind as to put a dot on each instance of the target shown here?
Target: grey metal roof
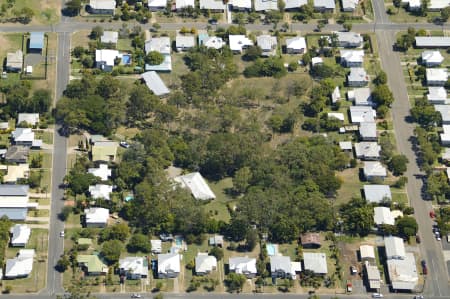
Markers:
(291, 4)
(185, 41)
(316, 262)
(13, 190)
(376, 193)
(325, 3)
(280, 263)
(154, 83)
(433, 41)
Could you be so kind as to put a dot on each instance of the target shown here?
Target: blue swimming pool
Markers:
(126, 59)
(178, 241)
(271, 250)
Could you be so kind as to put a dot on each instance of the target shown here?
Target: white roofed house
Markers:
(205, 264)
(16, 172)
(105, 59)
(444, 110)
(105, 7)
(30, 119)
(357, 77)
(315, 262)
(437, 95)
(403, 273)
(373, 276)
(96, 217)
(184, 42)
(14, 61)
(168, 265)
(345, 146)
(367, 253)
(296, 45)
(437, 5)
(268, 44)
(157, 5)
(21, 265)
(368, 131)
(102, 171)
(101, 191)
(336, 115)
(349, 5)
(414, 5)
(349, 39)
(133, 267)
(160, 45)
(395, 248)
(294, 5)
(14, 201)
(216, 240)
(196, 184)
(362, 114)
(155, 83)
(213, 42)
(243, 265)
(432, 58)
(316, 61)
(436, 77)
(324, 5)
(109, 37)
(377, 193)
(374, 170)
(180, 4)
(360, 96)
(432, 41)
(20, 234)
(25, 137)
(266, 5)
(352, 58)
(383, 215)
(156, 246)
(367, 151)
(445, 136)
(281, 267)
(241, 5)
(212, 5)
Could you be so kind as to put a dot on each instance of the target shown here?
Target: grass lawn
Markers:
(351, 185)
(10, 42)
(45, 136)
(400, 197)
(45, 11)
(124, 44)
(401, 15)
(218, 207)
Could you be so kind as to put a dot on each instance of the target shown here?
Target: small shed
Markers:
(310, 240)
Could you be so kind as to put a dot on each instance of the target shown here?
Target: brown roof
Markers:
(310, 238)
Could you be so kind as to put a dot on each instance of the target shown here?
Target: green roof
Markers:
(84, 241)
(93, 263)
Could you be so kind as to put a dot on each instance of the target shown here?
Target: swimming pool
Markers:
(271, 249)
(179, 241)
(126, 59)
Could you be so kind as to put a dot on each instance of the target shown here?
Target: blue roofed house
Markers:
(14, 201)
(36, 42)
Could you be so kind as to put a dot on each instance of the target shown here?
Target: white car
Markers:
(61, 234)
(136, 296)
(418, 297)
(124, 144)
(377, 295)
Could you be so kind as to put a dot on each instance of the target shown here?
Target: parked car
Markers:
(61, 234)
(349, 287)
(377, 295)
(424, 267)
(353, 270)
(124, 144)
(166, 237)
(418, 297)
(418, 240)
(432, 214)
(136, 296)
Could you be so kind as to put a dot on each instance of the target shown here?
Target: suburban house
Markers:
(395, 248)
(17, 154)
(437, 95)
(368, 131)
(362, 114)
(105, 151)
(294, 5)
(360, 96)
(96, 217)
(196, 184)
(367, 150)
(204, 263)
(30, 119)
(352, 58)
(36, 42)
(310, 240)
(432, 58)
(109, 37)
(357, 77)
(436, 77)
(216, 240)
(239, 43)
(243, 265)
(268, 44)
(383, 215)
(155, 83)
(315, 262)
(432, 41)
(335, 95)
(92, 264)
(445, 136)
(446, 155)
(212, 5)
(161, 45)
(437, 5)
(157, 5)
(346, 146)
(180, 4)
(403, 273)
(266, 5)
(282, 267)
(349, 5)
(367, 253)
(444, 110)
(101, 191)
(377, 193)
(336, 115)
(373, 276)
(316, 61)
(210, 41)
(168, 265)
(349, 39)
(324, 5)
(102, 171)
(20, 234)
(14, 201)
(413, 5)
(184, 42)
(296, 45)
(133, 267)
(241, 5)
(15, 173)
(21, 265)
(25, 137)
(105, 59)
(374, 170)
(156, 246)
(104, 7)
(14, 61)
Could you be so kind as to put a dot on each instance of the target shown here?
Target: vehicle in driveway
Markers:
(124, 144)
(432, 214)
(353, 270)
(377, 295)
(349, 286)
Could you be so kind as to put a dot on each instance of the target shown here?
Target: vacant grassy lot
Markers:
(401, 15)
(45, 11)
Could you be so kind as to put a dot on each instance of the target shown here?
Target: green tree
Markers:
(251, 239)
(96, 32)
(347, 26)
(63, 264)
(445, 14)
(235, 282)
(381, 78)
(119, 232)
(357, 216)
(217, 252)
(111, 251)
(73, 7)
(139, 242)
(398, 164)
(406, 226)
(241, 179)
(154, 58)
(382, 96)
(424, 113)
(252, 53)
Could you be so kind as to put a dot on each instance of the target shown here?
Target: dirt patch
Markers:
(349, 258)
(4, 42)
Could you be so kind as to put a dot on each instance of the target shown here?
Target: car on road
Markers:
(438, 236)
(124, 144)
(136, 296)
(61, 234)
(418, 297)
(424, 267)
(432, 214)
(377, 295)
(418, 240)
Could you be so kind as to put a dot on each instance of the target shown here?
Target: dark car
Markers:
(424, 267)
(418, 240)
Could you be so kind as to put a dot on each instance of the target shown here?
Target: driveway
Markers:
(33, 59)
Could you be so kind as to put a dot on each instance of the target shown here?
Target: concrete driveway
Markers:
(33, 59)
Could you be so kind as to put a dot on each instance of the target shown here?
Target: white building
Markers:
(445, 136)
(362, 114)
(336, 115)
(383, 215)
(14, 201)
(395, 248)
(368, 131)
(161, 45)
(367, 253)
(184, 42)
(180, 4)
(20, 234)
(16, 172)
(437, 5)
(403, 273)
(102, 6)
(367, 150)
(196, 184)
(156, 246)
(444, 110)
(296, 45)
(373, 170)
(432, 58)
(205, 264)
(315, 262)
(349, 39)
(157, 5)
(155, 83)
(360, 96)
(21, 265)
(168, 265)
(293, 5)
(103, 172)
(324, 5)
(241, 5)
(25, 137)
(239, 43)
(352, 58)
(104, 59)
(349, 5)
(282, 267)
(437, 95)
(31, 119)
(101, 191)
(268, 44)
(96, 217)
(213, 42)
(377, 193)
(335, 95)
(266, 5)
(243, 265)
(316, 60)
(212, 5)
(373, 276)
(357, 77)
(436, 77)
(432, 41)
(134, 267)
